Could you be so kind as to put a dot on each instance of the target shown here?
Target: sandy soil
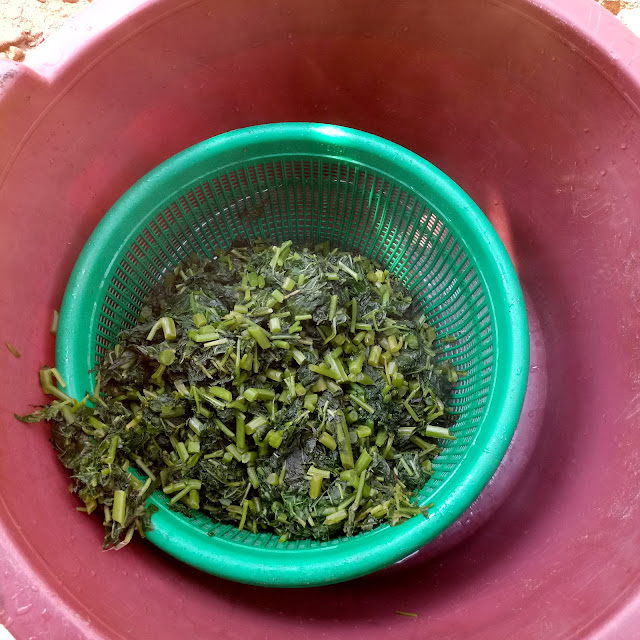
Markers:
(24, 24)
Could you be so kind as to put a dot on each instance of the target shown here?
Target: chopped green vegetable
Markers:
(119, 506)
(277, 390)
(55, 321)
(259, 335)
(13, 350)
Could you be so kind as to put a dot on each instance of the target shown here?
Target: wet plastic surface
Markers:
(530, 107)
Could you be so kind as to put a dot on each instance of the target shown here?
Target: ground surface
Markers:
(24, 24)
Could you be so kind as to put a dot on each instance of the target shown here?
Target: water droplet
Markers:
(603, 172)
(23, 610)
(531, 413)
(533, 367)
(623, 146)
(597, 147)
(586, 129)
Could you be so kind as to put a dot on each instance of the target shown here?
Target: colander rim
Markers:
(363, 554)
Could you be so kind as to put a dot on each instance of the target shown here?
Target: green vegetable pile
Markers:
(293, 392)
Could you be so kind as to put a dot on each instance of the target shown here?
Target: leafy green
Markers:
(290, 391)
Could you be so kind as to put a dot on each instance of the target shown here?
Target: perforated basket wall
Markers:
(310, 183)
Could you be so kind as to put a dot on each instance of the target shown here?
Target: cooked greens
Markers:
(297, 392)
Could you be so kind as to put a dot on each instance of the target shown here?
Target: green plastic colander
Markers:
(310, 183)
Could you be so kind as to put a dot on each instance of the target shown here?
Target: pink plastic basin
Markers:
(532, 107)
